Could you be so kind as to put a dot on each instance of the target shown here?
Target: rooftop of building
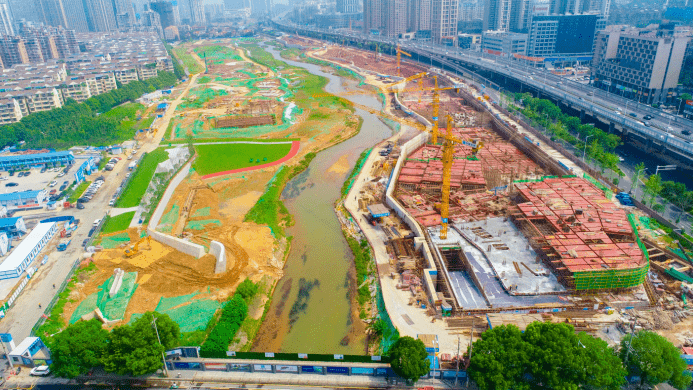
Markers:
(25, 156)
(17, 256)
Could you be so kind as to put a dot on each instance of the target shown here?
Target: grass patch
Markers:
(77, 193)
(354, 172)
(127, 113)
(226, 140)
(362, 262)
(224, 157)
(188, 61)
(269, 209)
(133, 193)
(117, 223)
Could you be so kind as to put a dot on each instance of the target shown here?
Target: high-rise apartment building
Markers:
(124, 13)
(100, 16)
(444, 21)
(497, 15)
(6, 22)
(76, 15)
(373, 15)
(395, 18)
(152, 19)
(520, 15)
(638, 63)
(419, 15)
(165, 11)
(51, 12)
(471, 10)
(197, 12)
(347, 6)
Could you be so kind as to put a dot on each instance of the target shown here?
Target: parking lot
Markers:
(37, 180)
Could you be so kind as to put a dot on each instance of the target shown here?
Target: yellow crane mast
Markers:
(436, 108)
(399, 58)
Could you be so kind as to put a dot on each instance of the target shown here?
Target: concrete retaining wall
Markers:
(179, 244)
(219, 251)
(156, 216)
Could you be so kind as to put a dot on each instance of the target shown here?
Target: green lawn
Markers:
(77, 193)
(133, 193)
(224, 157)
(117, 223)
(127, 113)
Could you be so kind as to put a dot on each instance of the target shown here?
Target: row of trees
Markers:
(127, 350)
(81, 123)
(600, 145)
(674, 192)
(550, 355)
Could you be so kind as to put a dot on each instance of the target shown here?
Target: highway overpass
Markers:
(662, 134)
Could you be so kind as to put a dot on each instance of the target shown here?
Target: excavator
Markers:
(136, 249)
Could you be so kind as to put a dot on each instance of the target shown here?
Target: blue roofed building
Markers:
(27, 250)
(13, 227)
(8, 163)
(23, 200)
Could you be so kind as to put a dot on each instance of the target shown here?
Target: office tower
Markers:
(6, 19)
(497, 15)
(562, 39)
(504, 44)
(444, 21)
(76, 15)
(165, 11)
(520, 15)
(100, 15)
(639, 63)
(51, 12)
(197, 12)
(176, 12)
(372, 15)
(419, 15)
(601, 7)
(347, 6)
(471, 10)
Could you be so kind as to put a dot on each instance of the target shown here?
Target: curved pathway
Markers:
(295, 145)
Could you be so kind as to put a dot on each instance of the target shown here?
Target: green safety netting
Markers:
(202, 223)
(114, 241)
(189, 313)
(203, 212)
(391, 334)
(112, 308)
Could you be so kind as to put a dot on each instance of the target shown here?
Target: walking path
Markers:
(295, 146)
(117, 211)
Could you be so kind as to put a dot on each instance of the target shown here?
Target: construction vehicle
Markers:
(62, 246)
(136, 248)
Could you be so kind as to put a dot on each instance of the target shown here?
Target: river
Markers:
(311, 310)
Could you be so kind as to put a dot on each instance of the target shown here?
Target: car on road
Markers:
(111, 202)
(686, 132)
(97, 222)
(53, 183)
(84, 243)
(647, 117)
(43, 169)
(80, 206)
(20, 174)
(11, 184)
(634, 115)
(646, 123)
(61, 174)
(27, 173)
(40, 371)
(53, 191)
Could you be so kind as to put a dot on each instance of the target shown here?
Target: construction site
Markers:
(504, 231)
(134, 272)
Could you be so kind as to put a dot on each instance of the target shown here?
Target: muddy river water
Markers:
(311, 310)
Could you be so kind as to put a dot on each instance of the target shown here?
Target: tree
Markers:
(135, 349)
(546, 355)
(654, 359)
(247, 289)
(408, 358)
(78, 348)
(653, 186)
(639, 169)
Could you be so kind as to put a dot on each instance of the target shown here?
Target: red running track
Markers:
(293, 152)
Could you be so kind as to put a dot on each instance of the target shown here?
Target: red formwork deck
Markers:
(589, 232)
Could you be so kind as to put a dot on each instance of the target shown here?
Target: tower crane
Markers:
(399, 58)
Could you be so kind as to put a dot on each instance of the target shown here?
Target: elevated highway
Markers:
(663, 134)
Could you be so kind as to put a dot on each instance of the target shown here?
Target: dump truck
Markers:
(136, 248)
(62, 246)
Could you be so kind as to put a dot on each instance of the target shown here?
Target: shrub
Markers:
(247, 289)
(232, 315)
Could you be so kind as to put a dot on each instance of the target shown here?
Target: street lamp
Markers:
(584, 150)
(163, 356)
